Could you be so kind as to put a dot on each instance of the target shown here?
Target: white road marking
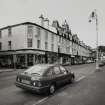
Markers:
(40, 101)
(43, 99)
(82, 77)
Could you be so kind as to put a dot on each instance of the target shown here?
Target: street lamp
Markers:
(97, 64)
(95, 16)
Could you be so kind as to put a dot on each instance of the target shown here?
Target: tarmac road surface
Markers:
(12, 95)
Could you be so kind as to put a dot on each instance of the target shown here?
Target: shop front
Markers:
(6, 61)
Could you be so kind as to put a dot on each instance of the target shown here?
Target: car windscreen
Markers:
(38, 70)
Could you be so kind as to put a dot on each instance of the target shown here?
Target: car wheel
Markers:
(52, 89)
(71, 80)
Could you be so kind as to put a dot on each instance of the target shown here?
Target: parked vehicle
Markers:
(44, 78)
(89, 61)
(66, 64)
(101, 63)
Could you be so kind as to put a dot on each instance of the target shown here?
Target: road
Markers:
(12, 95)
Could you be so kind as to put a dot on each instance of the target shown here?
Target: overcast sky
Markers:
(76, 12)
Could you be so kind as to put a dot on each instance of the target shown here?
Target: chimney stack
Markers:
(47, 22)
(41, 20)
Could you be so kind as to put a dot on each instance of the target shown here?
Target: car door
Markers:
(64, 74)
(49, 76)
(58, 75)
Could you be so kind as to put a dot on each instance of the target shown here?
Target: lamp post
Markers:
(95, 16)
(97, 60)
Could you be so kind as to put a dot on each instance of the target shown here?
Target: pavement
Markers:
(10, 70)
(14, 69)
(6, 70)
(87, 91)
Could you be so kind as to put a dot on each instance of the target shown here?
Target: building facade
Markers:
(26, 44)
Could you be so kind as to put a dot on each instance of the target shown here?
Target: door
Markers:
(65, 75)
(58, 75)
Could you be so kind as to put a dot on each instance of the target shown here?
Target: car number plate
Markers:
(25, 81)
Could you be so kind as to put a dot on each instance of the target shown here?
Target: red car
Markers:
(44, 78)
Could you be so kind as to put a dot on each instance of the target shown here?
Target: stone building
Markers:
(26, 44)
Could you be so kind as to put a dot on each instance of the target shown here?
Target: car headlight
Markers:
(34, 83)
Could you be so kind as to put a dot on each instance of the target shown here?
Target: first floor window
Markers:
(46, 35)
(0, 46)
(9, 31)
(52, 47)
(29, 42)
(58, 49)
(38, 43)
(9, 45)
(38, 32)
(46, 45)
(52, 38)
(0, 34)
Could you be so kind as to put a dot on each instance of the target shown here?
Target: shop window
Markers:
(30, 59)
(29, 42)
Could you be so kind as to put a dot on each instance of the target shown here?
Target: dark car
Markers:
(101, 63)
(44, 78)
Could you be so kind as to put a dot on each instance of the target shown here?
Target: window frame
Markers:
(0, 45)
(63, 71)
(50, 69)
(10, 45)
(29, 42)
(52, 47)
(38, 31)
(52, 38)
(59, 70)
(46, 35)
(46, 45)
(30, 31)
(0, 34)
(9, 31)
(38, 43)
